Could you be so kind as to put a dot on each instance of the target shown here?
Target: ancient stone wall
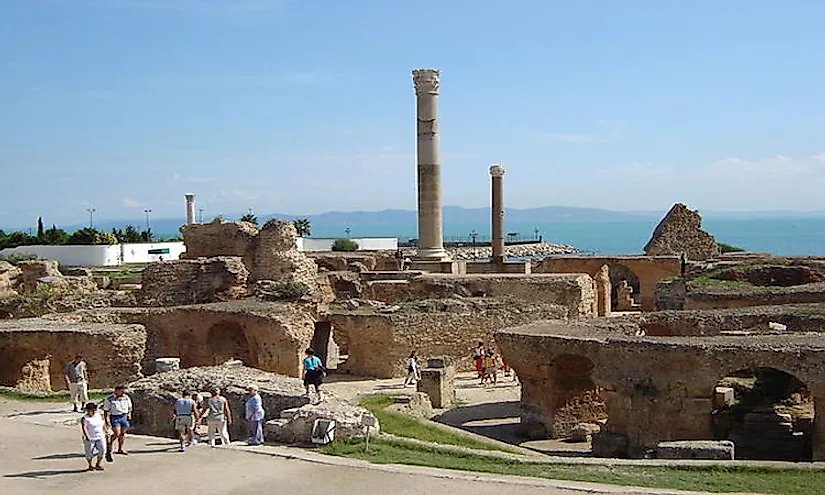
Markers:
(113, 352)
(219, 238)
(277, 259)
(9, 275)
(641, 381)
(378, 343)
(575, 292)
(680, 231)
(267, 336)
(194, 281)
(32, 271)
(649, 270)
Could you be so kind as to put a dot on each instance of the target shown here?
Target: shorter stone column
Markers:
(438, 382)
(190, 209)
(497, 209)
(603, 291)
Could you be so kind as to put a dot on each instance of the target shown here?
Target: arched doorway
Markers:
(226, 340)
(767, 413)
(574, 396)
(620, 276)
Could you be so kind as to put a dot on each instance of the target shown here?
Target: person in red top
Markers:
(478, 358)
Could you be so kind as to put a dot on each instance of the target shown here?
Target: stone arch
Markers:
(575, 397)
(767, 412)
(226, 340)
(618, 273)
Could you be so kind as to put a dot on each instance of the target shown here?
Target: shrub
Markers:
(344, 245)
(727, 248)
(15, 258)
(291, 290)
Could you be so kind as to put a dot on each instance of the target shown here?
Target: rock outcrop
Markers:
(202, 280)
(680, 231)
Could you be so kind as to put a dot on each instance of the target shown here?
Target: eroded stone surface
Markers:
(113, 352)
(680, 231)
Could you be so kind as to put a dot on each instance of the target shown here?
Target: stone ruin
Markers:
(680, 231)
(289, 413)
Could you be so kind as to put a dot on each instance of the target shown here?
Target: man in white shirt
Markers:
(117, 409)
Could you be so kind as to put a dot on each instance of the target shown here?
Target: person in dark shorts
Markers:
(117, 410)
(313, 373)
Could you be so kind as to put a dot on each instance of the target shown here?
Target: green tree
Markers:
(250, 217)
(344, 245)
(55, 236)
(40, 231)
(90, 236)
(16, 239)
(303, 227)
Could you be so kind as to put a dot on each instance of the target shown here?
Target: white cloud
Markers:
(131, 203)
(819, 158)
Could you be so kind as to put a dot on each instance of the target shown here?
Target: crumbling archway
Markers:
(575, 397)
(227, 340)
(767, 413)
(620, 273)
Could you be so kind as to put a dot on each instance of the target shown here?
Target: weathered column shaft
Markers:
(430, 229)
(190, 209)
(497, 210)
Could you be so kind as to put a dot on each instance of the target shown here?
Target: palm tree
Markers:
(249, 217)
(303, 227)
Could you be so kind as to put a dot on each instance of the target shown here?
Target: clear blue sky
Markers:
(306, 106)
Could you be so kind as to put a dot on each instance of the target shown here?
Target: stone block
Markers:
(724, 396)
(696, 449)
(777, 327)
(163, 365)
(34, 376)
(583, 431)
(439, 385)
(610, 445)
(295, 425)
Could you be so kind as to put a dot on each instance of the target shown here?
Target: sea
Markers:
(783, 237)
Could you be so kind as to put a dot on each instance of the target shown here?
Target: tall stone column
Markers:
(430, 228)
(497, 210)
(190, 209)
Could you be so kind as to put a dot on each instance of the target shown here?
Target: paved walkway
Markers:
(40, 454)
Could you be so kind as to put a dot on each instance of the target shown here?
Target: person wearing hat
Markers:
(94, 438)
(255, 416)
(218, 417)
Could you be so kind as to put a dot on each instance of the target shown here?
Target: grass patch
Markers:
(63, 396)
(697, 478)
(402, 425)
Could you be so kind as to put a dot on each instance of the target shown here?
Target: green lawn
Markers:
(402, 425)
(711, 479)
(52, 397)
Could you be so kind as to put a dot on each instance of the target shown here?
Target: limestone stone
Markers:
(8, 278)
(696, 449)
(35, 377)
(153, 396)
(609, 445)
(32, 271)
(680, 231)
(416, 404)
(625, 297)
(583, 431)
(220, 238)
(439, 385)
(602, 280)
(724, 396)
(193, 281)
(276, 257)
(68, 284)
(24, 341)
(295, 425)
(165, 364)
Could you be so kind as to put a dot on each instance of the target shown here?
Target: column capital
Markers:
(426, 81)
(497, 171)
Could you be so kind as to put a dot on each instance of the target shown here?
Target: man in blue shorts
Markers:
(117, 410)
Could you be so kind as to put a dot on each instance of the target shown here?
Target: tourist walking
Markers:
(313, 373)
(185, 415)
(117, 410)
(478, 358)
(218, 417)
(490, 373)
(399, 259)
(413, 373)
(255, 415)
(76, 381)
(94, 437)
(199, 406)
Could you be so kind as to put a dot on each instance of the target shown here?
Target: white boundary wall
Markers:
(364, 243)
(111, 255)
